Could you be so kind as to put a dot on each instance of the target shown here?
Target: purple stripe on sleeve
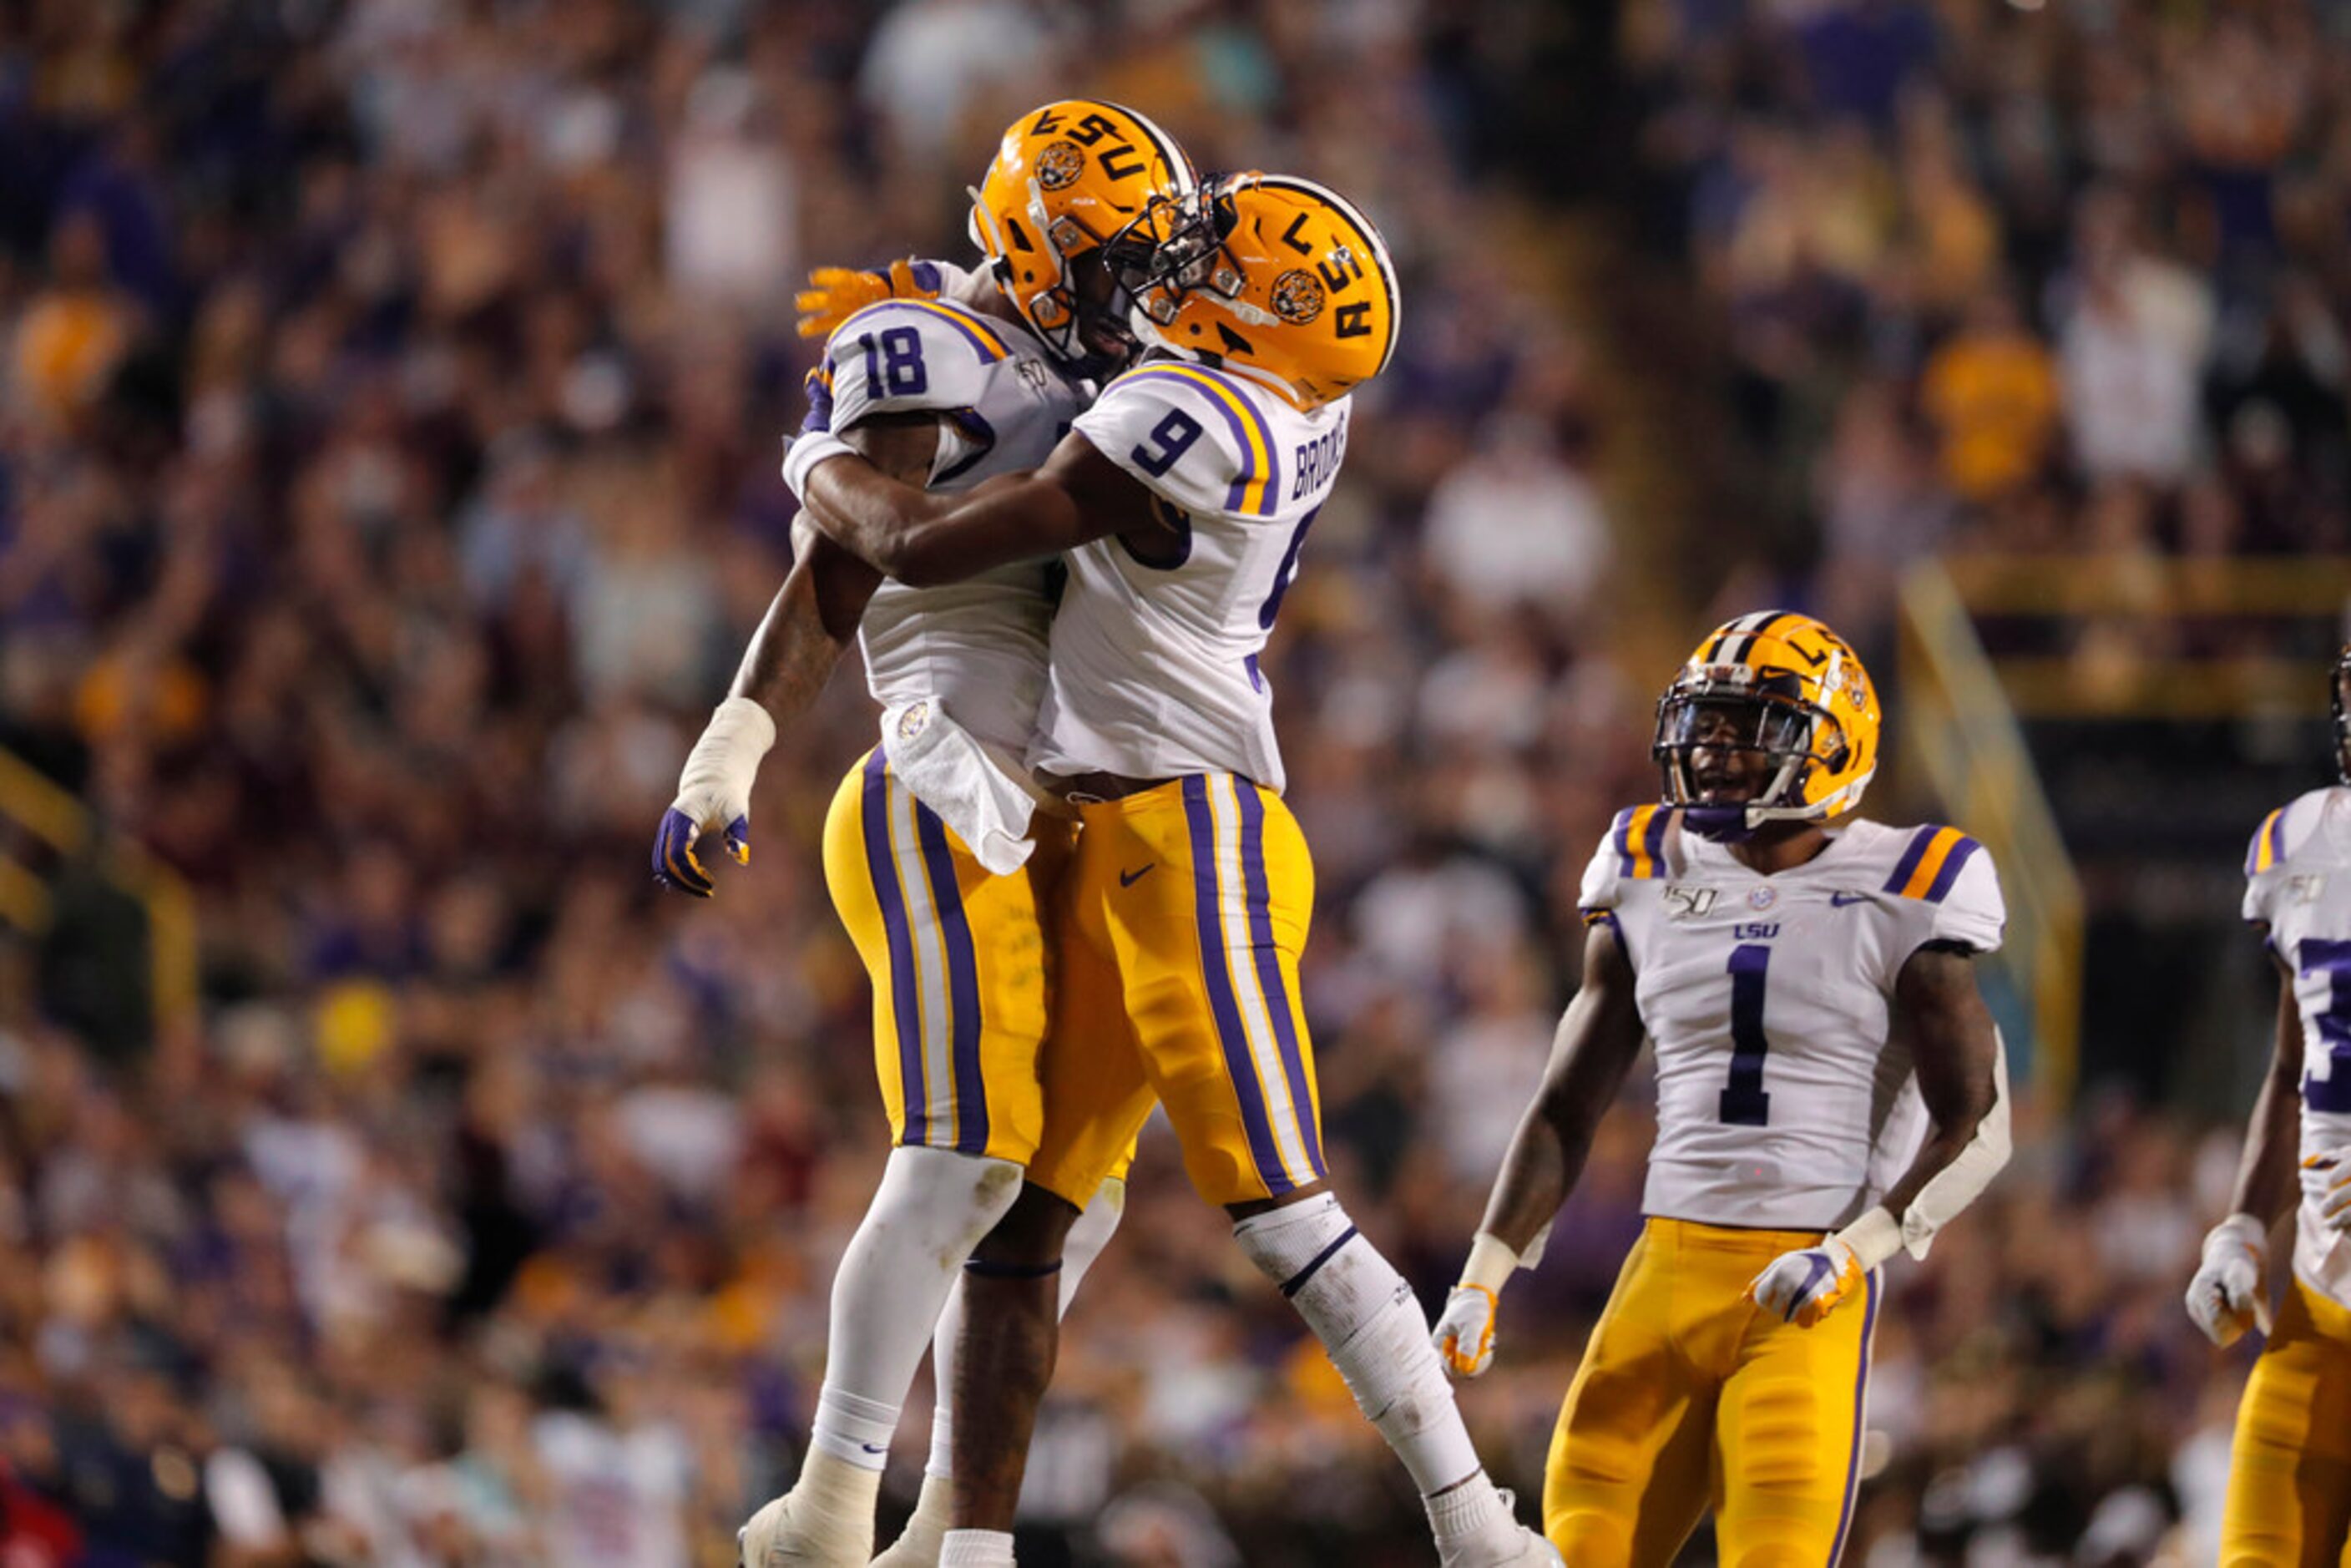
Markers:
(1949, 876)
(1621, 830)
(1240, 487)
(905, 1009)
(1910, 858)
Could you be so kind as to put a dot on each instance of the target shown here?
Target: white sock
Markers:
(1465, 1510)
(976, 1549)
(1366, 1316)
(931, 1209)
(1087, 1237)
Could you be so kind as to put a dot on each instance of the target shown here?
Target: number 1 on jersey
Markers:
(1745, 1104)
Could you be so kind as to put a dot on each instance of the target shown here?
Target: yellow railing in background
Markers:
(45, 811)
(2125, 615)
(1960, 730)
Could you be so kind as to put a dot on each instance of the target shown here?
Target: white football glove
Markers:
(1805, 1286)
(2326, 1186)
(713, 795)
(1464, 1333)
(2227, 1296)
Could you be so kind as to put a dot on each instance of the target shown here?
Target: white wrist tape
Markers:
(1872, 1238)
(1492, 1261)
(1962, 1181)
(724, 762)
(806, 452)
(2239, 1229)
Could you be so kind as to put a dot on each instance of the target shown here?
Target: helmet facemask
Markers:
(1083, 313)
(1171, 249)
(1769, 719)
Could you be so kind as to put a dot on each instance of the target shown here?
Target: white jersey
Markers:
(2298, 884)
(977, 648)
(1784, 1102)
(1155, 652)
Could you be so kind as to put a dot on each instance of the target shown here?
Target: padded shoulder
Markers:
(907, 356)
(1202, 440)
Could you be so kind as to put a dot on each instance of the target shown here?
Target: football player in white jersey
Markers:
(1808, 979)
(1182, 500)
(2290, 1471)
(937, 856)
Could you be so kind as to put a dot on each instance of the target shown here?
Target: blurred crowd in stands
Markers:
(390, 395)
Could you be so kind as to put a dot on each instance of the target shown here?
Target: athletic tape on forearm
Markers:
(1962, 1181)
(1492, 1261)
(726, 761)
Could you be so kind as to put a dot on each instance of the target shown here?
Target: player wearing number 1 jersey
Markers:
(1182, 500)
(2289, 1500)
(1829, 1090)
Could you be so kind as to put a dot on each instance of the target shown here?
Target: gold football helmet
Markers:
(1791, 689)
(1065, 179)
(1268, 275)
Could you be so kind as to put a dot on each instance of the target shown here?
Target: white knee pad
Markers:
(1364, 1315)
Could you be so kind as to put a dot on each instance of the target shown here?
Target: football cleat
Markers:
(1504, 1543)
(792, 1532)
(1794, 690)
(1065, 179)
(1266, 276)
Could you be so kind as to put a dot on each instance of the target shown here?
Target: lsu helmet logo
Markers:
(1060, 165)
(1297, 297)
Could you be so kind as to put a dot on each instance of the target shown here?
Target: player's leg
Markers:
(1789, 1429)
(1207, 936)
(1628, 1475)
(1096, 1100)
(2289, 1503)
(924, 1537)
(955, 957)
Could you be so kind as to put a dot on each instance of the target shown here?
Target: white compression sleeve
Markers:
(931, 1209)
(1364, 1315)
(1962, 1181)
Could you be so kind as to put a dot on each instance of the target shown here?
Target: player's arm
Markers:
(1598, 1040)
(800, 639)
(924, 538)
(1964, 1082)
(2227, 1292)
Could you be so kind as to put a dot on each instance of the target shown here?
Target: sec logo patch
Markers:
(1762, 897)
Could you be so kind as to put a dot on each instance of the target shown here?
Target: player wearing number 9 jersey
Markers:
(1182, 500)
(2289, 1499)
(1830, 1089)
(939, 853)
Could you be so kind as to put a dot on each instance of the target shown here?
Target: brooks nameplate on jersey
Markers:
(1156, 648)
(2298, 884)
(978, 647)
(1783, 1101)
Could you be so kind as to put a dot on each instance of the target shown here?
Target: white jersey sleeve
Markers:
(2282, 833)
(1952, 890)
(1641, 845)
(917, 356)
(1194, 440)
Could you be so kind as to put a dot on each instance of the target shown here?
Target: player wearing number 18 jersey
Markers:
(1829, 1090)
(2290, 1470)
(1182, 500)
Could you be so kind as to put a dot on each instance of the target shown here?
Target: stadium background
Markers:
(389, 404)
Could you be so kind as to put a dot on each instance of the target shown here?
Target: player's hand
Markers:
(1464, 1333)
(713, 795)
(1805, 1286)
(834, 294)
(2226, 1297)
(2326, 1186)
